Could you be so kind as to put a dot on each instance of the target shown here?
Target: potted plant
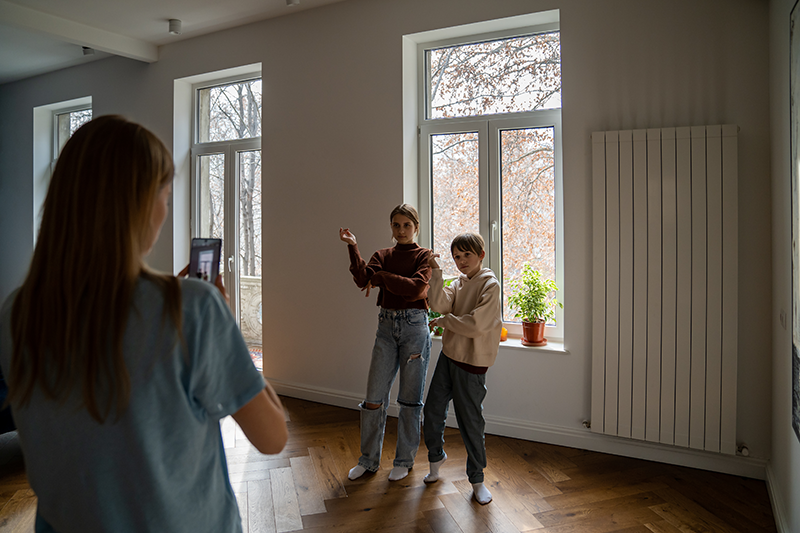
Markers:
(534, 299)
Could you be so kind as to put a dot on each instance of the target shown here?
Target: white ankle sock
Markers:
(356, 472)
(398, 473)
(433, 475)
(481, 493)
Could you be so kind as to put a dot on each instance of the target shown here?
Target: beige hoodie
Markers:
(472, 316)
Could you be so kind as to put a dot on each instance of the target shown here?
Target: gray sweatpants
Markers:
(467, 391)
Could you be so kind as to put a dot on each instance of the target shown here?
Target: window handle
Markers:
(494, 231)
(230, 262)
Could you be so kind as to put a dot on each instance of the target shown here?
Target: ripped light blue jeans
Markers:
(403, 343)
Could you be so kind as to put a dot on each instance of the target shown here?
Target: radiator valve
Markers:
(587, 424)
(743, 450)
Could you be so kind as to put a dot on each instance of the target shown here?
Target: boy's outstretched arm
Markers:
(440, 298)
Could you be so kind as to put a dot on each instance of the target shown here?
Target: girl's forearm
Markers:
(409, 288)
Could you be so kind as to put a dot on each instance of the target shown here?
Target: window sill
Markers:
(514, 343)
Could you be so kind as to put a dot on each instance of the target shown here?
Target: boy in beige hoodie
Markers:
(472, 320)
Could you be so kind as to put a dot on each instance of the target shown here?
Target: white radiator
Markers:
(665, 274)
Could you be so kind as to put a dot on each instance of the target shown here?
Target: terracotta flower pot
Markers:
(533, 334)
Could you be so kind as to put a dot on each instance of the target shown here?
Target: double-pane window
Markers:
(227, 190)
(490, 152)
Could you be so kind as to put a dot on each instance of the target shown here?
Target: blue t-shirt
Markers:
(161, 467)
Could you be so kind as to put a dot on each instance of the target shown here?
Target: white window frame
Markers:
(45, 150)
(56, 114)
(488, 128)
(230, 150)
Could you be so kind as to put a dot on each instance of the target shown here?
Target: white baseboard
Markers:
(582, 439)
(781, 522)
(320, 395)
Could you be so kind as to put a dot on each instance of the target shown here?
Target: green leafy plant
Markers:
(533, 296)
(437, 330)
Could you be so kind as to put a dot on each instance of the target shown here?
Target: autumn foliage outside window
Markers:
(68, 123)
(472, 92)
(503, 76)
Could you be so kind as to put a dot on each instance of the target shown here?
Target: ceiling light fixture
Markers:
(291, 3)
(175, 26)
(87, 51)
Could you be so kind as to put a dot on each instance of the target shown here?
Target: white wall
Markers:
(333, 156)
(784, 469)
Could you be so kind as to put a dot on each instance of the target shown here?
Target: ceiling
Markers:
(38, 36)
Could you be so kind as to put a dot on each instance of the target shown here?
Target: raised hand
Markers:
(347, 236)
(432, 261)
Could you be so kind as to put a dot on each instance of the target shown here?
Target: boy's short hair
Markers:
(467, 242)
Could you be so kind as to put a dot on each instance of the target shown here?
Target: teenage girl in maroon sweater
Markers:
(402, 342)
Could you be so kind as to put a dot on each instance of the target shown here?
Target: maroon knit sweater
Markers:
(401, 272)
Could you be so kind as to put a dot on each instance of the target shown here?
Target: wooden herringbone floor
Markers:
(549, 489)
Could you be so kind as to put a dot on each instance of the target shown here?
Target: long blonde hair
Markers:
(68, 318)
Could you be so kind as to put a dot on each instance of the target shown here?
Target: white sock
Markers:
(398, 473)
(433, 475)
(481, 493)
(356, 472)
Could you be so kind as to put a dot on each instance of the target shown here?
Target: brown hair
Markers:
(68, 319)
(467, 242)
(407, 211)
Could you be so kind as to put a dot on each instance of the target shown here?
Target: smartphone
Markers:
(204, 259)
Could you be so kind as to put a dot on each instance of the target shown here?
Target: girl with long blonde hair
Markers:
(118, 375)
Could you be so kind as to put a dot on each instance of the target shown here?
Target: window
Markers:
(53, 125)
(66, 123)
(226, 159)
(490, 133)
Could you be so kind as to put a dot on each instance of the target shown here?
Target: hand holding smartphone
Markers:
(204, 259)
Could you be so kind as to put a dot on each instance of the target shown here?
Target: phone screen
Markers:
(204, 259)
